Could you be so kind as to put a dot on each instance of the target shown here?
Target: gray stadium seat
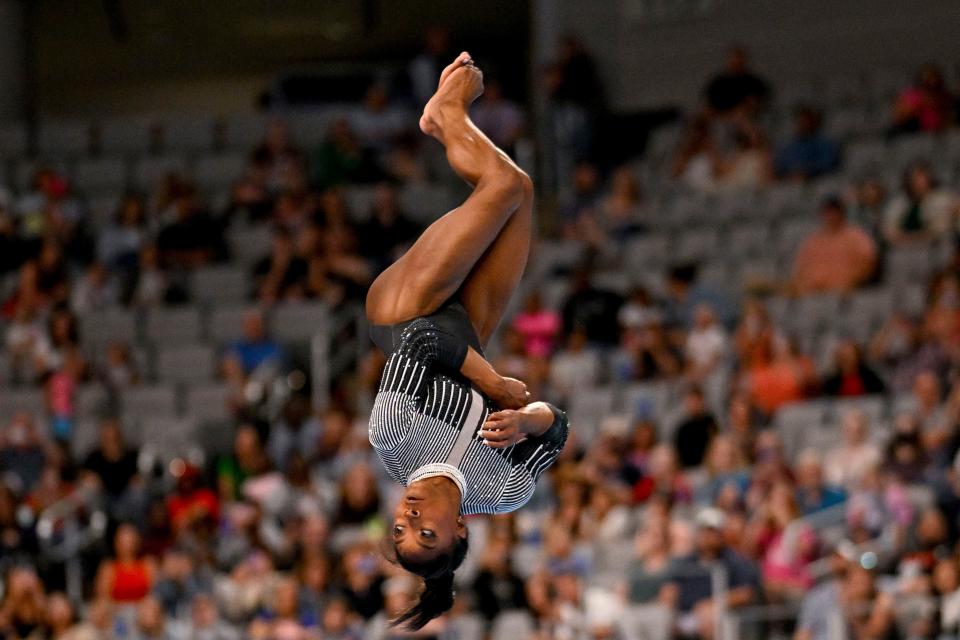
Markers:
(91, 401)
(16, 400)
(225, 324)
(359, 202)
(101, 175)
(646, 396)
(695, 245)
(208, 403)
(249, 244)
(794, 420)
(219, 285)
(874, 407)
(587, 409)
(219, 171)
(512, 625)
(298, 322)
(102, 327)
(85, 436)
(188, 133)
(63, 138)
(176, 325)
(148, 401)
(169, 433)
(646, 622)
(425, 203)
(909, 264)
(652, 251)
(148, 172)
(126, 135)
(186, 364)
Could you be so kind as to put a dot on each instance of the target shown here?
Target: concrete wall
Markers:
(667, 62)
(12, 82)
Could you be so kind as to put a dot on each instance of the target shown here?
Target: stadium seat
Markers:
(188, 133)
(176, 325)
(219, 171)
(249, 244)
(646, 622)
(225, 324)
(91, 401)
(294, 322)
(99, 328)
(148, 401)
(186, 364)
(215, 286)
(149, 171)
(512, 625)
(245, 130)
(15, 400)
(172, 435)
(208, 403)
(793, 420)
(13, 140)
(126, 135)
(101, 175)
(425, 203)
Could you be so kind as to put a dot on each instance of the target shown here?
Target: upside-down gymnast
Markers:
(461, 438)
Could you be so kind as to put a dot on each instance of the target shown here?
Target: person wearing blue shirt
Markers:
(810, 153)
(255, 349)
(813, 494)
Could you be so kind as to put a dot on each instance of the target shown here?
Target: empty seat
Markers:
(169, 432)
(220, 171)
(298, 322)
(63, 138)
(186, 364)
(646, 622)
(512, 625)
(84, 437)
(150, 171)
(174, 325)
(148, 401)
(126, 135)
(696, 245)
(645, 398)
(101, 327)
(647, 251)
(209, 403)
(873, 407)
(909, 264)
(16, 400)
(188, 133)
(588, 408)
(250, 243)
(219, 285)
(102, 174)
(91, 401)
(793, 420)
(225, 324)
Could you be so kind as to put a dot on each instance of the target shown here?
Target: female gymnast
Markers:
(461, 438)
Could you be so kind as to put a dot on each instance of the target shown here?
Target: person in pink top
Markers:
(836, 258)
(926, 106)
(538, 326)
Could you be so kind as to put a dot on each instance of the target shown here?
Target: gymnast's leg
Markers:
(463, 250)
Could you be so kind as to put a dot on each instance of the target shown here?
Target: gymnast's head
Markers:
(429, 539)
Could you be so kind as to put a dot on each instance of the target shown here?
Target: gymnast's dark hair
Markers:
(437, 595)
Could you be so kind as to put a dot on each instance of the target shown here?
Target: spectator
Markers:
(737, 88)
(95, 290)
(379, 124)
(341, 159)
(192, 504)
(924, 107)
(23, 611)
(424, 70)
(836, 258)
(922, 212)
(498, 117)
(128, 577)
(868, 202)
(193, 239)
(282, 275)
(810, 153)
(750, 164)
(297, 431)
(583, 200)
(575, 367)
(591, 309)
(647, 573)
(205, 621)
(685, 294)
(689, 588)
(813, 494)
(118, 246)
(537, 326)
(255, 349)
(707, 346)
(497, 587)
(149, 286)
(23, 452)
(282, 617)
(697, 160)
(112, 464)
(844, 466)
(695, 430)
(389, 232)
(851, 376)
(180, 583)
(785, 546)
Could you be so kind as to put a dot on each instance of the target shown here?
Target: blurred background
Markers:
(745, 291)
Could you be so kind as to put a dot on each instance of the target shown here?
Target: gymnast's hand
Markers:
(509, 393)
(508, 427)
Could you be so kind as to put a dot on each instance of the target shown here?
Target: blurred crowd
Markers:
(281, 536)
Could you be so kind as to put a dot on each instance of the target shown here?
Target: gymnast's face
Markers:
(426, 523)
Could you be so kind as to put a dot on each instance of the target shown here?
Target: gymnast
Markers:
(460, 437)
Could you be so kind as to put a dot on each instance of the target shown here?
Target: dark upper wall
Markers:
(666, 62)
(219, 54)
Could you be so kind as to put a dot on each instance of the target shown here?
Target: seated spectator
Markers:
(926, 106)
(128, 577)
(359, 500)
(785, 547)
(255, 349)
(149, 286)
(378, 123)
(113, 463)
(297, 430)
(813, 493)
(728, 476)
(664, 478)
(180, 582)
(753, 334)
(706, 347)
(277, 155)
(23, 451)
(779, 378)
(696, 429)
(192, 504)
(537, 326)
(574, 368)
(846, 464)
(62, 619)
(685, 294)
(389, 232)
(639, 311)
(922, 212)
(118, 371)
(867, 205)
(592, 309)
(647, 571)
(853, 601)
(497, 587)
(582, 202)
(205, 621)
(879, 505)
(737, 87)
(14, 248)
(342, 159)
(118, 246)
(193, 238)
(23, 610)
(689, 588)
(497, 116)
(150, 623)
(249, 460)
(96, 289)
(697, 161)
(810, 153)
(750, 164)
(851, 377)
(836, 258)
(282, 616)
(281, 275)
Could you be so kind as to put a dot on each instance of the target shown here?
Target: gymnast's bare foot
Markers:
(458, 89)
